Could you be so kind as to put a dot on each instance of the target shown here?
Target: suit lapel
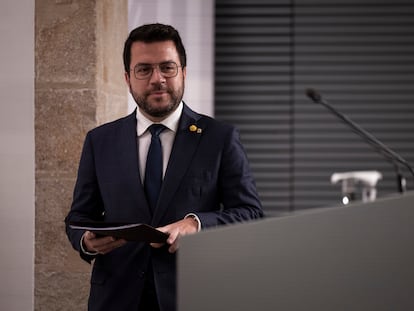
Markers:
(185, 145)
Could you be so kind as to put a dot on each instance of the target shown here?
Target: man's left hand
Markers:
(176, 230)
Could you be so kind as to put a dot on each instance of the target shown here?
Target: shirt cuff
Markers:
(195, 217)
(83, 249)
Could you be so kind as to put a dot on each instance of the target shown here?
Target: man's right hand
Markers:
(100, 245)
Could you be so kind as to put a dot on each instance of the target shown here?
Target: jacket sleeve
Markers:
(237, 189)
(87, 202)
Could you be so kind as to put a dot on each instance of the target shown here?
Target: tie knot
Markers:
(156, 129)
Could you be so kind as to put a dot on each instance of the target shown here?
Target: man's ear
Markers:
(127, 79)
(184, 72)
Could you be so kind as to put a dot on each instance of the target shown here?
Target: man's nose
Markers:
(156, 75)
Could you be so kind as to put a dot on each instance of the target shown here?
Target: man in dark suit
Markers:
(206, 180)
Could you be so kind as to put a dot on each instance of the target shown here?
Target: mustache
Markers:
(158, 87)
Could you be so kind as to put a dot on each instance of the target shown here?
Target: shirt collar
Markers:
(171, 122)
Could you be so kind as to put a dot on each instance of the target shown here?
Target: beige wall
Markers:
(79, 85)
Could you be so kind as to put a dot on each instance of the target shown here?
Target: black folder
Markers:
(127, 231)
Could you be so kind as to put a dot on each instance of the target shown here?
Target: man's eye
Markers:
(143, 70)
(167, 67)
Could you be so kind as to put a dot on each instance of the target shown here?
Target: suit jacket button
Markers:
(141, 274)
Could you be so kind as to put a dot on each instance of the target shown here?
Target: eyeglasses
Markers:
(145, 71)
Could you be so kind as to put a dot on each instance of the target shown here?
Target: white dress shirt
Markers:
(167, 138)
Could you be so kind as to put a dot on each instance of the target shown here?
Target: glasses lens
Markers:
(142, 71)
(167, 70)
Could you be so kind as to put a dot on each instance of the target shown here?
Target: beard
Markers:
(151, 107)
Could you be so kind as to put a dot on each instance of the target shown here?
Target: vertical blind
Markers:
(358, 54)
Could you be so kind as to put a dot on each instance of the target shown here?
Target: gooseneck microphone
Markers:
(389, 154)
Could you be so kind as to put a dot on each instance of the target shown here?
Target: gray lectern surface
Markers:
(358, 257)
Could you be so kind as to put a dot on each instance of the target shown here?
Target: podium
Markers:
(358, 257)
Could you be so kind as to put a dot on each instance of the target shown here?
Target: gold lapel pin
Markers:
(194, 128)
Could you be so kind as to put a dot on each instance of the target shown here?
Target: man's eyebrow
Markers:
(163, 62)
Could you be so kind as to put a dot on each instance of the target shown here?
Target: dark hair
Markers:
(154, 33)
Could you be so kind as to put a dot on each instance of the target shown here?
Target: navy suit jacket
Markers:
(207, 174)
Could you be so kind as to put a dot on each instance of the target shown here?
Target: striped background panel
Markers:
(358, 54)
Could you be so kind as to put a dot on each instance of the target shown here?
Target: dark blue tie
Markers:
(153, 169)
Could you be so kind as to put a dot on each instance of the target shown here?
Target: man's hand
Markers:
(176, 230)
(101, 245)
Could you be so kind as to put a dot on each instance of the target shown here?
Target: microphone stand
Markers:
(389, 154)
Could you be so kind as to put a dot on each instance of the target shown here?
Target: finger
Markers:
(174, 247)
(173, 241)
(108, 247)
(89, 235)
(88, 241)
(173, 237)
(157, 245)
(165, 229)
(103, 241)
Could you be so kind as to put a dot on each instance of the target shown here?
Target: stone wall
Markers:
(79, 84)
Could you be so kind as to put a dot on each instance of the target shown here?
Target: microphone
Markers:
(389, 154)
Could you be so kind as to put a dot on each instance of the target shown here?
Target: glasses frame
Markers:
(153, 66)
